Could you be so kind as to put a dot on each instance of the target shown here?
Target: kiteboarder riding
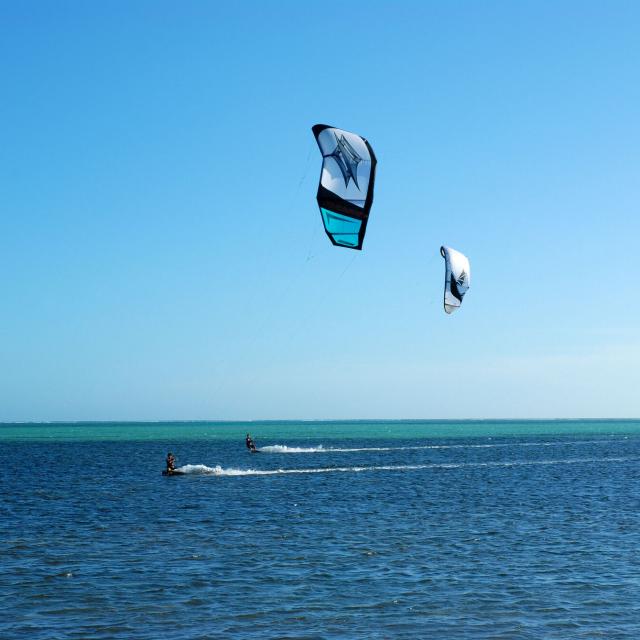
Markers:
(171, 463)
(251, 445)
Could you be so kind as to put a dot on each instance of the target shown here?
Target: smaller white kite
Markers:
(457, 278)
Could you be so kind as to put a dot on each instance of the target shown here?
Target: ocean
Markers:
(361, 529)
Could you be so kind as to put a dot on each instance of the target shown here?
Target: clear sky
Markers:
(161, 251)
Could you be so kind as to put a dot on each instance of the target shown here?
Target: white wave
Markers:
(219, 471)
(282, 448)
(203, 469)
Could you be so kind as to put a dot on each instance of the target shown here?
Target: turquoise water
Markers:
(228, 431)
(335, 530)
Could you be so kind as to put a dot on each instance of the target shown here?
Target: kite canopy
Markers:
(345, 193)
(457, 278)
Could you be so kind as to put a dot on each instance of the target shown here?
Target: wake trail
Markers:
(201, 469)
(281, 448)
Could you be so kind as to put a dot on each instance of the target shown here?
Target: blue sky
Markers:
(162, 252)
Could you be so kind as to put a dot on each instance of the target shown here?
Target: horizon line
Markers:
(315, 420)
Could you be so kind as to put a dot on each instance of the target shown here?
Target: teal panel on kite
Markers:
(343, 230)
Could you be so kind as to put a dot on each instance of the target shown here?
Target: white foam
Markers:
(203, 469)
(219, 471)
(281, 448)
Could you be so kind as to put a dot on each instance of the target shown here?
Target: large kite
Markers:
(345, 193)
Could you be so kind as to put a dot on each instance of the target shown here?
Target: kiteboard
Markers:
(174, 473)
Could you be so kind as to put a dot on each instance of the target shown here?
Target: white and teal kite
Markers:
(345, 193)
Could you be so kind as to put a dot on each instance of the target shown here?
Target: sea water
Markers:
(360, 529)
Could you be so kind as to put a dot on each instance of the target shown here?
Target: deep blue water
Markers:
(512, 537)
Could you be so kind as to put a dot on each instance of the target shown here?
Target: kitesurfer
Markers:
(251, 445)
(171, 462)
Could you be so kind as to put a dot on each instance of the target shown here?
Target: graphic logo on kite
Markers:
(347, 160)
(460, 282)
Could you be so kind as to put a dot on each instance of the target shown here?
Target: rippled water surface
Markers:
(410, 532)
